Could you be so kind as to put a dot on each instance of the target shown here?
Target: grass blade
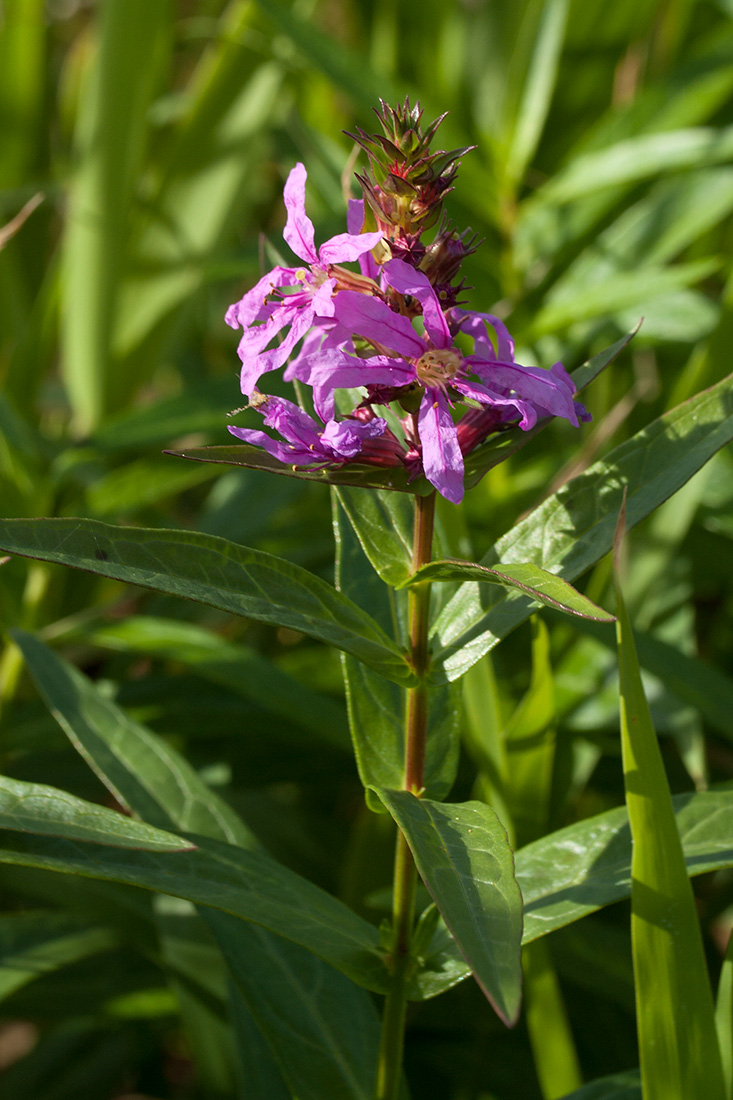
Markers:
(678, 1044)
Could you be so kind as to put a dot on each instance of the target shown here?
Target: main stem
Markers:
(389, 1073)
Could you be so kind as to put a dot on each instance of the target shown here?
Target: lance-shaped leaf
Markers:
(574, 528)
(377, 707)
(335, 1020)
(383, 524)
(354, 474)
(542, 586)
(323, 1030)
(250, 885)
(675, 1019)
(621, 1086)
(586, 866)
(464, 859)
(35, 943)
(35, 808)
(139, 768)
(213, 571)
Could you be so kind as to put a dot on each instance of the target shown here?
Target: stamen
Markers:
(438, 367)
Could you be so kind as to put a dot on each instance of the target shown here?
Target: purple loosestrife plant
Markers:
(404, 383)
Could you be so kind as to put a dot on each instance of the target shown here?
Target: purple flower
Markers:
(310, 289)
(433, 365)
(307, 443)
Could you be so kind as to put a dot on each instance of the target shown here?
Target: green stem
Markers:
(389, 1074)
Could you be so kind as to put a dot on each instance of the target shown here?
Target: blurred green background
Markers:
(157, 135)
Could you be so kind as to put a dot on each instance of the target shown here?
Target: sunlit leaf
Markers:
(464, 859)
(678, 1044)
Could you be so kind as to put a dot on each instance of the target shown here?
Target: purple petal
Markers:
(355, 216)
(354, 222)
(406, 280)
(336, 371)
(489, 397)
(542, 388)
(441, 456)
(283, 452)
(255, 363)
(374, 320)
(249, 308)
(291, 422)
(557, 370)
(347, 247)
(311, 344)
(344, 437)
(322, 299)
(473, 324)
(299, 232)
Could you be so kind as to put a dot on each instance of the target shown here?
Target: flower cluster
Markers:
(445, 377)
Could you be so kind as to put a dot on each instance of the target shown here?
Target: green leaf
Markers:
(724, 1018)
(706, 688)
(143, 773)
(377, 720)
(210, 172)
(36, 943)
(464, 859)
(323, 1030)
(159, 784)
(620, 1086)
(550, 1035)
(353, 474)
(538, 84)
(586, 866)
(239, 668)
(198, 977)
(616, 292)
(213, 571)
(110, 139)
(34, 808)
(579, 869)
(247, 884)
(542, 586)
(347, 70)
(678, 1045)
(573, 529)
(383, 526)
(376, 706)
(638, 158)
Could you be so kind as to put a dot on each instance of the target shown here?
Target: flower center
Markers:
(438, 366)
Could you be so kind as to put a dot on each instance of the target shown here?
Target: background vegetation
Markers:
(158, 134)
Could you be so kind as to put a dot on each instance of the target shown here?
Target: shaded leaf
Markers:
(143, 773)
(620, 1086)
(34, 943)
(247, 884)
(323, 1029)
(212, 571)
(586, 866)
(464, 859)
